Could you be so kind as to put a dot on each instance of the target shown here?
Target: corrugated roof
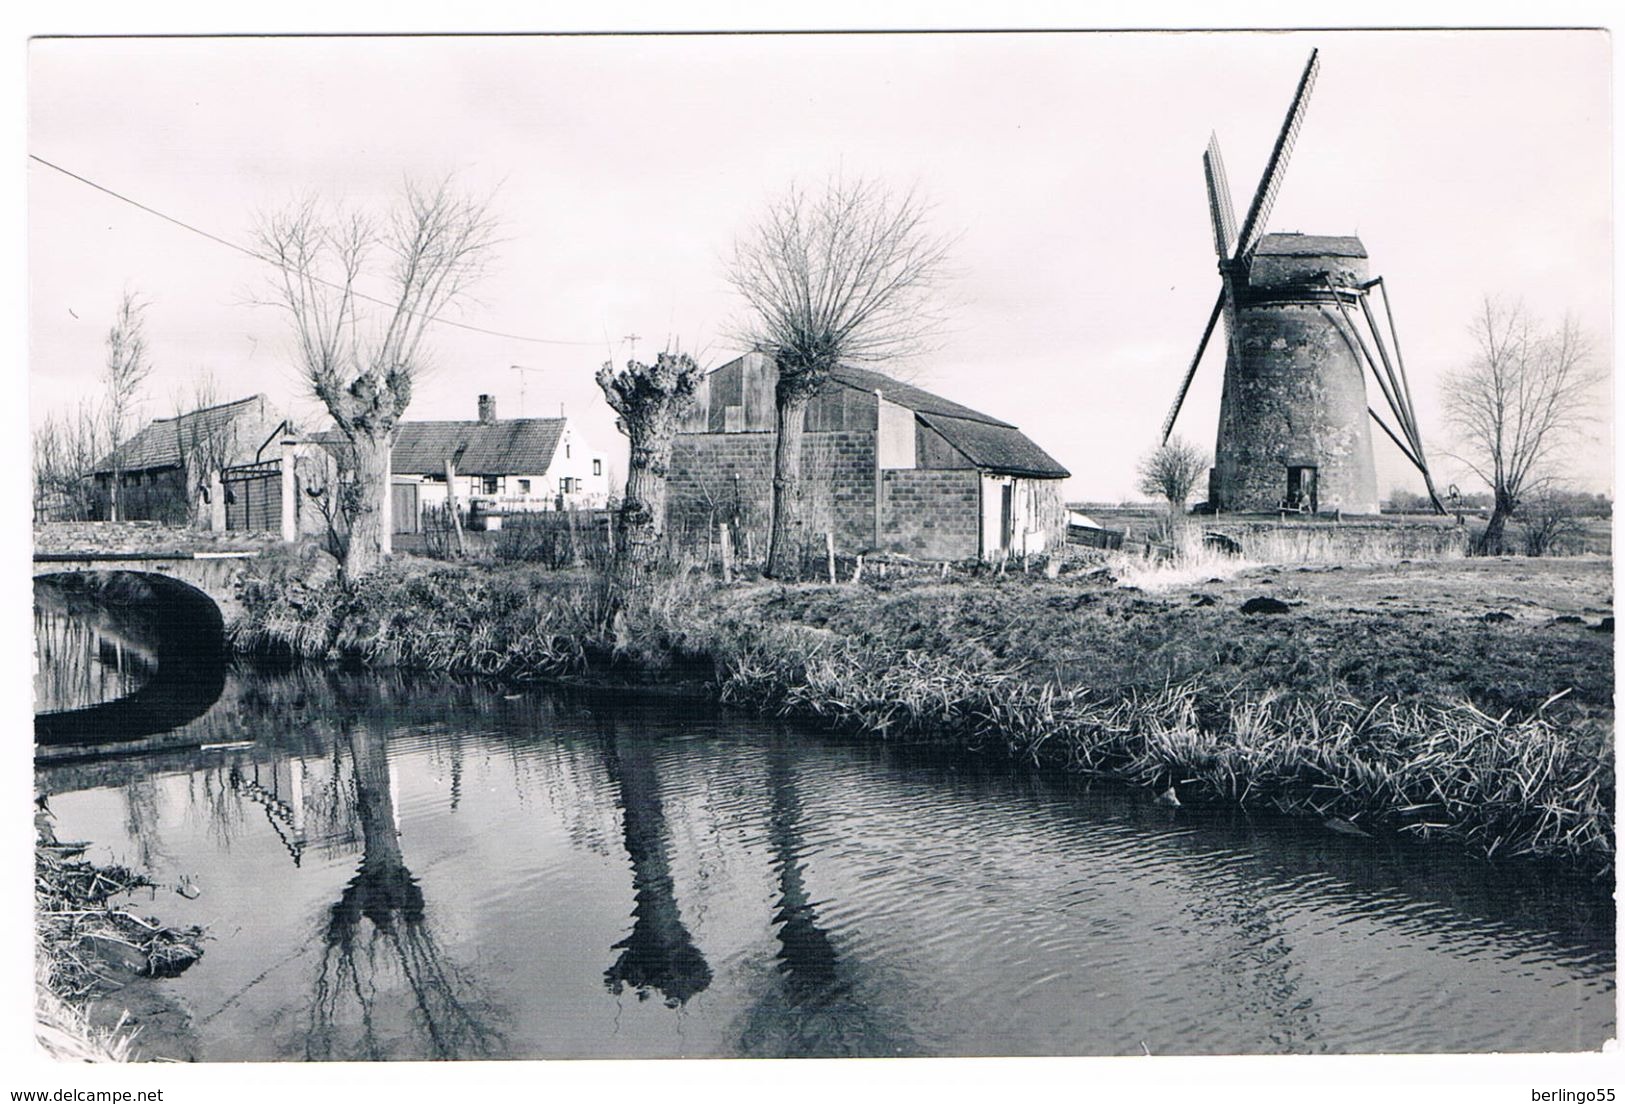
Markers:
(507, 447)
(1310, 245)
(986, 441)
(904, 394)
(158, 445)
(1000, 448)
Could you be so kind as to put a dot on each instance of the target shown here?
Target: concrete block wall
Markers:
(931, 514)
(724, 472)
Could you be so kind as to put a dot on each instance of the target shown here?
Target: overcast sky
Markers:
(1068, 166)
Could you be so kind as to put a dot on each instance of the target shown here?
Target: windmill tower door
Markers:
(1302, 488)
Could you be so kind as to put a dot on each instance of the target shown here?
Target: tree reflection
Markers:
(377, 927)
(806, 956)
(659, 953)
(816, 1010)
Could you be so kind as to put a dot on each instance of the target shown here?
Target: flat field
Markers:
(1501, 633)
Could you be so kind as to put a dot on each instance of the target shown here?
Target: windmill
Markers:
(1294, 421)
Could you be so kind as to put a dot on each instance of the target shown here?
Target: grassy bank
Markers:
(1375, 698)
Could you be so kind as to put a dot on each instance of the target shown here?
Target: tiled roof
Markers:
(515, 446)
(1310, 245)
(904, 394)
(994, 446)
(158, 445)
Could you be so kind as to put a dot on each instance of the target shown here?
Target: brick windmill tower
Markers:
(1294, 421)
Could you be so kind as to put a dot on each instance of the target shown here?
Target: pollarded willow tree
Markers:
(360, 353)
(650, 400)
(844, 274)
(1515, 405)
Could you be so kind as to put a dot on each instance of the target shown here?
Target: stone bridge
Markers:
(179, 578)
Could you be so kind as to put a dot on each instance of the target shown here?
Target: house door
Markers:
(404, 507)
(1302, 488)
(1007, 516)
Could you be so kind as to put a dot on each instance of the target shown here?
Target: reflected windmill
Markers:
(378, 925)
(658, 954)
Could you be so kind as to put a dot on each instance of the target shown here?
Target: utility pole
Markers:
(632, 339)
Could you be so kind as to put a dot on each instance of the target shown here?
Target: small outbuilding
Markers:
(886, 466)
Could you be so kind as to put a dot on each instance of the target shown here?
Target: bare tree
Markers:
(844, 275)
(1171, 472)
(361, 354)
(123, 375)
(1513, 407)
(651, 400)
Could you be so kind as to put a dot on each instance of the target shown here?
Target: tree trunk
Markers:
(643, 510)
(1493, 542)
(786, 545)
(365, 549)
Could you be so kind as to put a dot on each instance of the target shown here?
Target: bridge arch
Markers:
(182, 624)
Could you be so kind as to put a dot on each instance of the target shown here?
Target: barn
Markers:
(886, 466)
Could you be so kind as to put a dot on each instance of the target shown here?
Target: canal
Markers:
(396, 867)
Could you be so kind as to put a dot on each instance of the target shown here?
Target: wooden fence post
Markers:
(451, 505)
(726, 544)
(829, 552)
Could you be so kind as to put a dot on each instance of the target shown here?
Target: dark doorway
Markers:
(1007, 516)
(1303, 488)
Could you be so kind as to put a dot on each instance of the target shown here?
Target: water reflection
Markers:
(791, 894)
(121, 658)
(658, 954)
(817, 1007)
(79, 663)
(379, 927)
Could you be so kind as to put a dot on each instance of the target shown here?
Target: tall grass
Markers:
(1193, 561)
(1502, 786)
(930, 663)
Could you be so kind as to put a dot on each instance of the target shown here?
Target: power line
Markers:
(270, 261)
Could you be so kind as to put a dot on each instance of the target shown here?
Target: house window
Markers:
(489, 484)
(567, 450)
(524, 486)
(598, 467)
(565, 484)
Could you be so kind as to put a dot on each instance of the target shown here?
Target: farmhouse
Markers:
(886, 467)
(501, 467)
(165, 470)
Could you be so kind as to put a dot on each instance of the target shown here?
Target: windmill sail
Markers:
(1252, 228)
(1190, 373)
(1218, 199)
(1226, 241)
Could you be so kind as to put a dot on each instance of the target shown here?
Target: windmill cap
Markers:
(1310, 245)
(1283, 262)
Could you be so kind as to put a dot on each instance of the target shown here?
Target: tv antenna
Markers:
(523, 371)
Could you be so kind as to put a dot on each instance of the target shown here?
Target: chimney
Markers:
(488, 409)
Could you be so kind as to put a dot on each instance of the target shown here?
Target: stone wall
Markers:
(931, 515)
